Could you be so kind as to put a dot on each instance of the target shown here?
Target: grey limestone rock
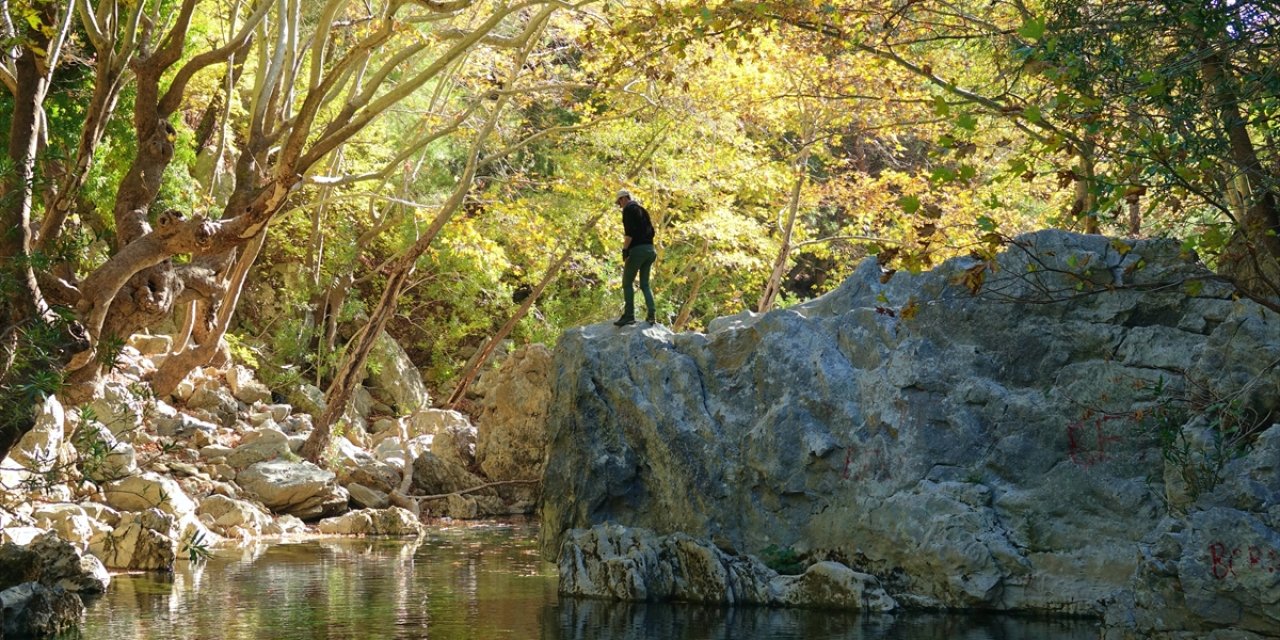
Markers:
(611, 561)
(986, 451)
(34, 610)
(300, 489)
(392, 521)
(511, 441)
(147, 540)
(393, 378)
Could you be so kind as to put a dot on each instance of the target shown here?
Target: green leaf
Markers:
(1033, 114)
(943, 175)
(967, 121)
(941, 107)
(986, 224)
(909, 204)
(1032, 29)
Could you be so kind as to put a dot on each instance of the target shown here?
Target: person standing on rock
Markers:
(638, 256)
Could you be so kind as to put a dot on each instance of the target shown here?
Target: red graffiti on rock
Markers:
(1087, 442)
(1231, 561)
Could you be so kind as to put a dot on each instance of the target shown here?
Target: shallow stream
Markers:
(482, 583)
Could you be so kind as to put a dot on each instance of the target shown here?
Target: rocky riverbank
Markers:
(1091, 432)
(134, 482)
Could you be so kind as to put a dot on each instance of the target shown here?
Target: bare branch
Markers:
(340, 130)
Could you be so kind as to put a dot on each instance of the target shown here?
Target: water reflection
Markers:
(591, 620)
(462, 584)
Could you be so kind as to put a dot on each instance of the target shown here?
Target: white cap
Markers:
(623, 194)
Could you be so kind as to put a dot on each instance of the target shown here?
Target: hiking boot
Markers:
(650, 321)
(624, 321)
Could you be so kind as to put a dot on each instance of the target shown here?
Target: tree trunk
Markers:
(1252, 259)
(398, 272)
(178, 365)
(774, 285)
(1084, 206)
(24, 302)
(686, 310)
(348, 375)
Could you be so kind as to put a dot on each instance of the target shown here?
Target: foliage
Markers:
(776, 144)
(784, 560)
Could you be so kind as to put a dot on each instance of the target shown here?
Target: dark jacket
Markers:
(636, 224)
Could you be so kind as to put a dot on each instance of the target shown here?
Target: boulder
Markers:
(453, 435)
(141, 541)
(52, 562)
(385, 424)
(465, 506)
(101, 512)
(38, 448)
(307, 398)
(268, 444)
(70, 522)
(611, 561)
(299, 489)
(33, 610)
(392, 521)
(359, 409)
(183, 425)
(245, 387)
(392, 377)
(216, 401)
(400, 454)
(235, 518)
(1218, 565)
(433, 475)
(103, 457)
(151, 345)
(149, 491)
(511, 439)
(367, 497)
(118, 408)
(1006, 450)
(355, 465)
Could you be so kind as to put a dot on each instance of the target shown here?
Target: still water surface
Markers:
(473, 583)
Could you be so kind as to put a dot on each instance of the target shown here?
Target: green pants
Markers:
(640, 262)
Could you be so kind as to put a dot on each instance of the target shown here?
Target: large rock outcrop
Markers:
(634, 565)
(1054, 443)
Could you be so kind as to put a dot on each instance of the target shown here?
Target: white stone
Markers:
(141, 541)
(118, 408)
(37, 450)
(149, 491)
(392, 521)
(267, 444)
(234, 518)
(151, 345)
(297, 488)
(245, 387)
(368, 497)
